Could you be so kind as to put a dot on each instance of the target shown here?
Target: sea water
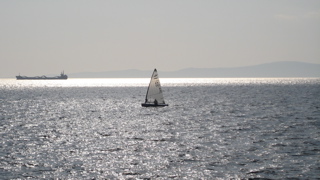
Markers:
(212, 129)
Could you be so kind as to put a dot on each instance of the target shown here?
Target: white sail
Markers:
(154, 90)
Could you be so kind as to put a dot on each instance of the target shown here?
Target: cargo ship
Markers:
(62, 76)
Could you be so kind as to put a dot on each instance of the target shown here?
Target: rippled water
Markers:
(212, 128)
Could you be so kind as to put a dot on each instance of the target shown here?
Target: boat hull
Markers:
(153, 105)
(61, 77)
(41, 78)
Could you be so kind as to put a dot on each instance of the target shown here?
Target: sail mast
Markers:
(154, 96)
(155, 70)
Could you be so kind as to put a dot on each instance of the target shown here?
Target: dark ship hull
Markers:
(153, 105)
(61, 77)
(39, 78)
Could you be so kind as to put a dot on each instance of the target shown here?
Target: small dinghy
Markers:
(154, 96)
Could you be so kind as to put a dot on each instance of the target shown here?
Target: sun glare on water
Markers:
(144, 82)
(85, 82)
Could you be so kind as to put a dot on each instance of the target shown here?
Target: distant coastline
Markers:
(276, 69)
(282, 69)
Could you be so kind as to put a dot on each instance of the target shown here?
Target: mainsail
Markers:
(154, 94)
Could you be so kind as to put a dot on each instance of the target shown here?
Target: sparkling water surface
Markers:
(212, 129)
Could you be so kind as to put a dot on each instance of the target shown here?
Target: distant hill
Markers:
(276, 69)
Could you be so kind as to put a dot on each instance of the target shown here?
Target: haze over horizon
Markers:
(46, 37)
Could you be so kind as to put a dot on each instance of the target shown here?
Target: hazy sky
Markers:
(45, 37)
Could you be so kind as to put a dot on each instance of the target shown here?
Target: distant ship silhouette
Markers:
(62, 76)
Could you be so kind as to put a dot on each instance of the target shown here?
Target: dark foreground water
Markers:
(212, 129)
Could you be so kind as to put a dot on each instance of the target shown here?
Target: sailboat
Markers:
(154, 96)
